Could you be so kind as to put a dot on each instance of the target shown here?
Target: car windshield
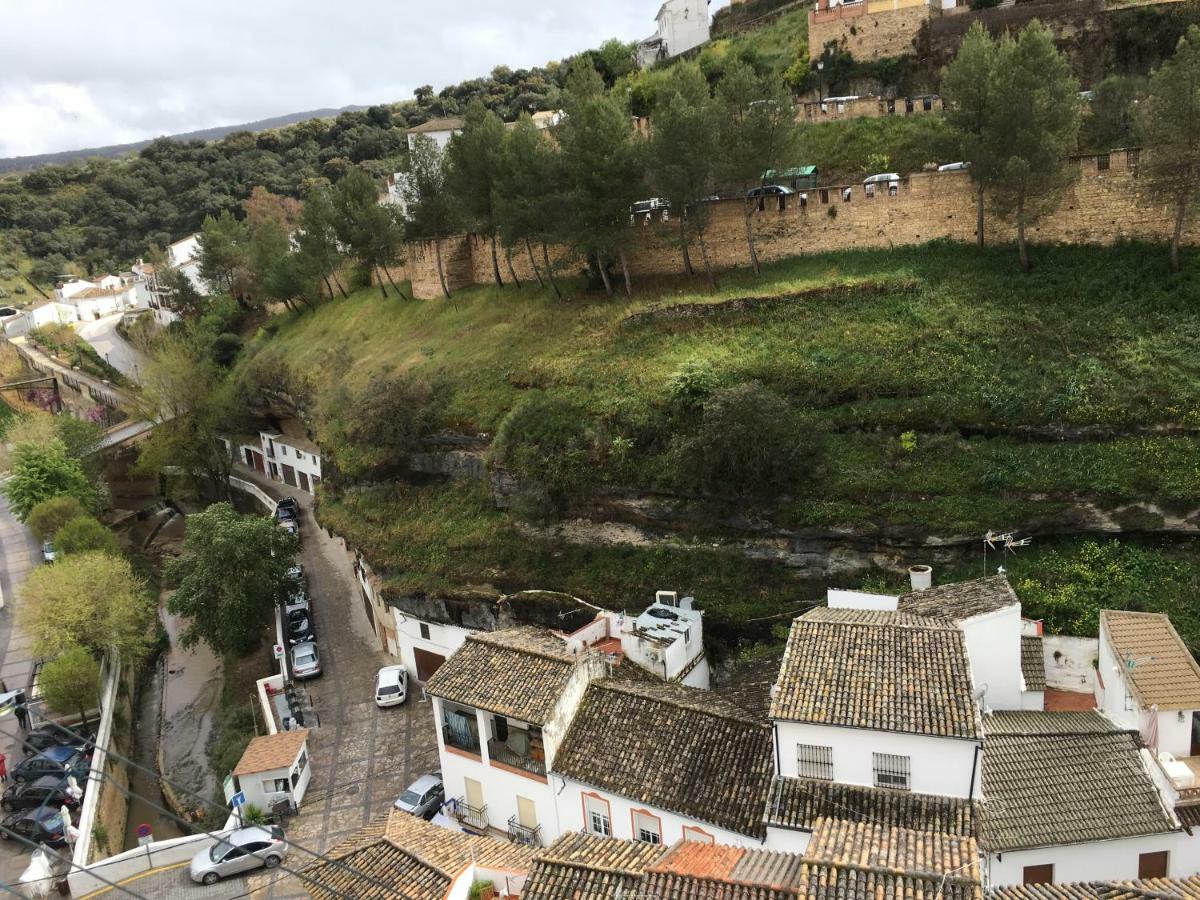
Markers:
(217, 853)
(410, 798)
(389, 689)
(299, 623)
(304, 659)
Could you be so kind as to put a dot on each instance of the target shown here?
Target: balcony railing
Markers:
(463, 740)
(523, 834)
(472, 816)
(500, 752)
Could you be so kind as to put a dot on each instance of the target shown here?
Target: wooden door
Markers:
(526, 812)
(1043, 874)
(474, 793)
(1153, 865)
(427, 663)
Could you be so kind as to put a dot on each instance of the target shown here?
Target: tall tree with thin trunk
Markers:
(529, 195)
(432, 213)
(682, 156)
(1035, 126)
(1170, 123)
(317, 242)
(758, 132)
(358, 217)
(969, 89)
(472, 159)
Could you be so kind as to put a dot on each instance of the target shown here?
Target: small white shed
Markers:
(274, 770)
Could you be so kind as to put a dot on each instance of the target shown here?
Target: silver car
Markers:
(306, 661)
(424, 796)
(242, 851)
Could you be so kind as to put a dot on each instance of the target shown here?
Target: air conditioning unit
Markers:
(666, 598)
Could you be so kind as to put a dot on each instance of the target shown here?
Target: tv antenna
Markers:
(1005, 542)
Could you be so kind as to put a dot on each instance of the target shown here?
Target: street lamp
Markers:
(820, 80)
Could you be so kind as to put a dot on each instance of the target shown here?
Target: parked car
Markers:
(299, 626)
(391, 686)
(646, 209)
(43, 825)
(49, 789)
(49, 554)
(50, 734)
(297, 574)
(291, 526)
(882, 178)
(61, 761)
(242, 851)
(297, 598)
(953, 167)
(306, 661)
(769, 190)
(287, 508)
(424, 796)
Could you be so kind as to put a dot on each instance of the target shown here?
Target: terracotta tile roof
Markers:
(1033, 663)
(1189, 815)
(446, 124)
(879, 671)
(1044, 790)
(915, 851)
(271, 751)
(373, 868)
(589, 867)
(800, 803)
(828, 881)
(450, 850)
(961, 600)
(1166, 674)
(672, 747)
(1031, 721)
(1068, 701)
(518, 672)
(1184, 888)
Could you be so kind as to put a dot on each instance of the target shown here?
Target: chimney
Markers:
(921, 577)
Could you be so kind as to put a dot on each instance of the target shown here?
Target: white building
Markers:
(294, 461)
(274, 772)
(437, 130)
(80, 300)
(682, 26)
(184, 256)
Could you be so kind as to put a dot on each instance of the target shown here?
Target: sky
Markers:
(77, 73)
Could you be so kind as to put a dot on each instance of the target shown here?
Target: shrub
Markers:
(48, 517)
(42, 471)
(84, 533)
(225, 349)
(551, 442)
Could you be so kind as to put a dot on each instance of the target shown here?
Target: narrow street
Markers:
(113, 349)
(19, 554)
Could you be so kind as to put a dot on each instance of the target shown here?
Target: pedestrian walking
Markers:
(22, 711)
(3, 768)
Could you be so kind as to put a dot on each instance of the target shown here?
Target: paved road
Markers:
(19, 553)
(102, 334)
(362, 757)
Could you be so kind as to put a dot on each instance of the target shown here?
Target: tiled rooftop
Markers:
(877, 670)
(800, 803)
(1157, 888)
(871, 845)
(581, 865)
(1165, 673)
(1033, 663)
(671, 747)
(518, 672)
(1038, 722)
(271, 751)
(961, 600)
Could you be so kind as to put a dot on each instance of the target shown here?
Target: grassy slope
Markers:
(1093, 337)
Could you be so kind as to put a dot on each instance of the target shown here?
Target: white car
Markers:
(882, 178)
(49, 554)
(391, 686)
(953, 167)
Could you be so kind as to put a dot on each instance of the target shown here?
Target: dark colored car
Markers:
(769, 190)
(60, 761)
(299, 626)
(287, 508)
(42, 826)
(48, 790)
(53, 735)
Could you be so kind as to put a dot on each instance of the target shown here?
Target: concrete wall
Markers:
(938, 765)
(1101, 208)
(1103, 860)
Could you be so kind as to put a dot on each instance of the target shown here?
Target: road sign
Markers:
(278, 649)
(238, 799)
(144, 835)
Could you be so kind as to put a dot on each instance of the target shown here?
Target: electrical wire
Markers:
(71, 863)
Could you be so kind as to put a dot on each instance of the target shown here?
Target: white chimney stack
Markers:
(921, 577)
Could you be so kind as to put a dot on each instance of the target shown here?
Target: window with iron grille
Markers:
(813, 761)
(1102, 162)
(1132, 157)
(892, 771)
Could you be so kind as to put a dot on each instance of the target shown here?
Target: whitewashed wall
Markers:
(938, 765)
(1069, 662)
(994, 647)
(443, 639)
(1102, 860)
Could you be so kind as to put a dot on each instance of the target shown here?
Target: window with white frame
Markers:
(814, 761)
(275, 785)
(891, 770)
(598, 819)
(647, 828)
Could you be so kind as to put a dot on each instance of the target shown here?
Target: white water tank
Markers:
(921, 577)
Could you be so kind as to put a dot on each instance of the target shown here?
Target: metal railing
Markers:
(472, 816)
(523, 834)
(500, 752)
(460, 739)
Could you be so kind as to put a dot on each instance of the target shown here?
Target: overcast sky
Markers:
(77, 73)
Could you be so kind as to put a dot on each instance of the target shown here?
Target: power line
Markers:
(336, 863)
(69, 862)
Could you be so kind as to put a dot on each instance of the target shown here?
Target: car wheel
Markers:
(211, 878)
(19, 779)
(4, 835)
(271, 861)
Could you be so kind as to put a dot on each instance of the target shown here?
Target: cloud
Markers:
(79, 74)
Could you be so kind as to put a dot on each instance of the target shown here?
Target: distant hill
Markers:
(24, 163)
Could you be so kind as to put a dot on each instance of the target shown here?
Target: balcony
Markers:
(461, 739)
(474, 817)
(502, 753)
(523, 834)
